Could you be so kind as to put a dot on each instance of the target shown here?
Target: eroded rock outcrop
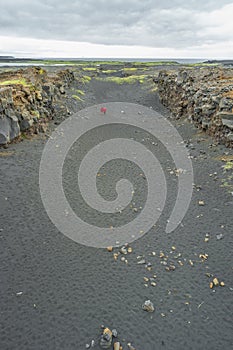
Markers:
(28, 98)
(205, 96)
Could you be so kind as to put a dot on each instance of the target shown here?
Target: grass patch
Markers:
(228, 183)
(159, 63)
(130, 70)
(77, 98)
(36, 114)
(154, 89)
(54, 62)
(88, 64)
(126, 80)
(85, 79)
(80, 92)
(15, 82)
(89, 69)
(228, 166)
(109, 71)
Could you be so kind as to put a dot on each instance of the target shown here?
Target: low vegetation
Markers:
(89, 69)
(85, 79)
(15, 82)
(109, 71)
(77, 98)
(80, 92)
(126, 80)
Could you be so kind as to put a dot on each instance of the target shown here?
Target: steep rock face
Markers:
(205, 96)
(9, 126)
(28, 98)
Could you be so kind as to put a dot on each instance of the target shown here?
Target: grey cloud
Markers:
(171, 23)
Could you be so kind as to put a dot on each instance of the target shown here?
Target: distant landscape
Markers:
(10, 61)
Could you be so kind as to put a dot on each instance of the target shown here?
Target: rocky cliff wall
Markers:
(28, 98)
(205, 96)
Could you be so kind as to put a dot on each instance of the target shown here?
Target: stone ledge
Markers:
(27, 99)
(204, 96)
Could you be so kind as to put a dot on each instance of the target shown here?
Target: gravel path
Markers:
(55, 293)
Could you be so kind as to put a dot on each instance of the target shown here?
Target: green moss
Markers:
(109, 71)
(80, 92)
(77, 98)
(158, 63)
(126, 80)
(154, 89)
(36, 114)
(89, 69)
(15, 82)
(130, 70)
(85, 79)
(228, 166)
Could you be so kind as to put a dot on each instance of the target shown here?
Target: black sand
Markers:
(66, 291)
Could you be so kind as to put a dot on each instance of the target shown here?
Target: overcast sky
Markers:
(117, 28)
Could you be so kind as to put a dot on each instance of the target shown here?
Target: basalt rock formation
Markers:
(28, 99)
(203, 95)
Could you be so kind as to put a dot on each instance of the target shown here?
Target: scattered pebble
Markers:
(116, 346)
(141, 262)
(123, 250)
(216, 283)
(106, 339)
(200, 304)
(204, 256)
(170, 268)
(114, 333)
(110, 249)
(220, 236)
(201, 203)
(148, 306)
(91, 345)
(115, 256)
